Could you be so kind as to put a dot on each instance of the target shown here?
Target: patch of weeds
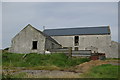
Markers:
(33, 60)
(102, 71)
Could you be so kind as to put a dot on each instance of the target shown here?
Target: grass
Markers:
(102, 71)
(113, 58)
(57, 61)
(38, 60)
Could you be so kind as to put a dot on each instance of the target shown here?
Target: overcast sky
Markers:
(0, 25)
(16, 15)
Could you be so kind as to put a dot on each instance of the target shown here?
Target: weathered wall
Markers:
(101, 43)
(65, 41)
(22, 42)
(114, 49)
(51, 45)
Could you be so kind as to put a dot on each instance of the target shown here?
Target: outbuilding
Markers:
(96, 39)
(32, 40)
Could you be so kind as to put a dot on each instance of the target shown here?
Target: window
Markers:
(76, 40)
(76, 48)
(34, 45)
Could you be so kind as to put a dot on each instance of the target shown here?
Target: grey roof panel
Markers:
(78, 31)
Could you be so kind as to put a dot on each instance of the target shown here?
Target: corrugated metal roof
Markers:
(78, 31)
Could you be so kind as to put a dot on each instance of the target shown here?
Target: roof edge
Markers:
(78, 27)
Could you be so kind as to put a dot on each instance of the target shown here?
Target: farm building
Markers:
(96, 39)
(31, 40)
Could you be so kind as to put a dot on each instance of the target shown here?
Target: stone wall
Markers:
(51, 45)
(114, 50)
(65, 41)
(100, 43)
(22, 42)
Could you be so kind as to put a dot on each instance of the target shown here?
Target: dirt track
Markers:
(88, 65)
(51, 74)
(73, 72)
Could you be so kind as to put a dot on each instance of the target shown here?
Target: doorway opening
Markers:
(76, 40)
(34, 45)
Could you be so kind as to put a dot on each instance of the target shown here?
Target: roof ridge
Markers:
(78, 31)
(78, 27)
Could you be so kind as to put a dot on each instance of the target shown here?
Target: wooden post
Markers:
(70, 52)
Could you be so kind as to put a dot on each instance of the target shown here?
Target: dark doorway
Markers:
(76, 40)
(34, 44)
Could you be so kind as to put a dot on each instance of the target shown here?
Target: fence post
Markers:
(70, 52)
